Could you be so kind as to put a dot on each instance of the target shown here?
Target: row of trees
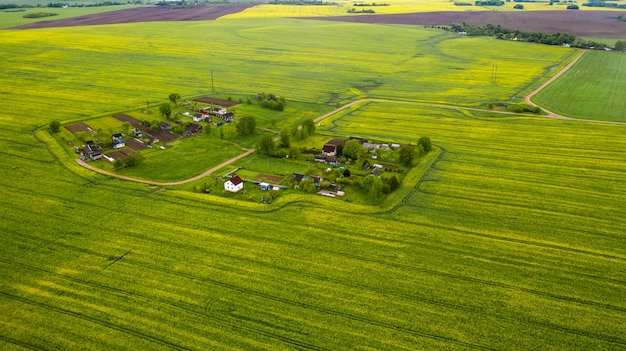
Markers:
(505, 33)
(532, 37)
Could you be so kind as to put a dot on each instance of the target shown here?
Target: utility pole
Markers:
(494, 74)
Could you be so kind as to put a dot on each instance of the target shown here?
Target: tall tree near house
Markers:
(166, 109)
(246, 125)
(266, 145)
(352, 149)
(284, 137)
(174, 97)
(309, 125)
(407, 154)
(620, 45)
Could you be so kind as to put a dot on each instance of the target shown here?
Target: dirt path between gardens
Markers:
(326, 115)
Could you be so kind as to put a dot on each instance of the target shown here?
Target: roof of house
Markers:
(235, 180)
(337, 142)
(329, 148)
(164, 124)
(376, 172)
(118, 135)
(298, 176)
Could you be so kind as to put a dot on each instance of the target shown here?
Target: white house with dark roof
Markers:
(329, 150)
(234, 184)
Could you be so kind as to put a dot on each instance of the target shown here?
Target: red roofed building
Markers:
(234, 184)
(329, 150)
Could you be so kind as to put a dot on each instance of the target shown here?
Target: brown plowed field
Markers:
(78, 127)
(592, 24)
(135, 145)
(145, 14)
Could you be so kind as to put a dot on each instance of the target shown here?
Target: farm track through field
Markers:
(408, 296)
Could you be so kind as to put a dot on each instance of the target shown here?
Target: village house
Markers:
(165, 126)
(329, 150)
(192, 129)
(234, 184)
(92, 150)
(117, 140)
(197, 117)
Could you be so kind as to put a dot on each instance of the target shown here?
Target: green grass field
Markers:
(512, 239)
(592, 89)
(12, 19)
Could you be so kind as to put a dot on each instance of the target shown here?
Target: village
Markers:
(364, 169)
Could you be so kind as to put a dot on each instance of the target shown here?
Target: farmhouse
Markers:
(298, 176)
(234, 184)
(340, 143)
(92, 150)
(192, 129)
(197, 117)
(165, 126)
(329, 150)
(117, 140)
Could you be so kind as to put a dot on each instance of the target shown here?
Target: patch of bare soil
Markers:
(120, 154)
(215, 101)
(268, 178)
(145, 14)
(594, 24)
(78, 127)
(135, 145)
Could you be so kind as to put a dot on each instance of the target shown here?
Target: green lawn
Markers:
(591, 89)
(183, 158)
(512, 239)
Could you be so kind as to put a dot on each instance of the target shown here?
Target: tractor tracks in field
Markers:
(233, 321)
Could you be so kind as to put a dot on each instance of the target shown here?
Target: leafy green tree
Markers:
(55, 126)
(425, 143)
(246, 125)
(174, 97)
(376, 190)
(166, 109)
(620, 45)
(118, 163)
(407, 154)
(284, 137)
(393, 183)
(309, 125)
(352, 149)
(131, 161)
(266, 145)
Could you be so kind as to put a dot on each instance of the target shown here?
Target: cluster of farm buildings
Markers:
(330, 155)
(144, 134)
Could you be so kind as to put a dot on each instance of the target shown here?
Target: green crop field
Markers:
(10, 18)
(512, 237)
(593, 89)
